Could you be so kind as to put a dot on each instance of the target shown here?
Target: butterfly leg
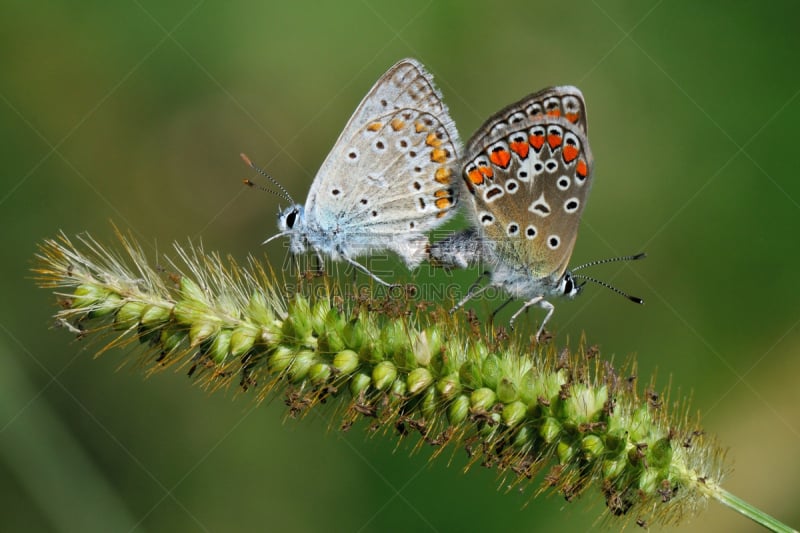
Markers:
(477, 281)
(296, 260)
(502, 305)
(365, 270)
(536, 300)
(470, 295)
(319, 264)
(544, 304)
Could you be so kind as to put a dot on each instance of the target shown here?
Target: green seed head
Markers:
(243, 339)
(259, 310)
(418, 380)
(550, 430)
(202, 330)
(319, 373)
(383, 375)
(359, 383)
(483, 399)
(280, 359)
(448, 386)
(592, 446)
(346, 361)
(516, 408)
(220, 346)
(458, 410)
(109, 305)
(302, 363)
(155, 315)
(514, 413)
(319, 314)
(429, 405)
(395, 340)
(297, 326)
(491, 371)
(129, 315)
(399, 387)
(427, 344)
(88, 295)
(506, 390)
(471, 375)
(192, 291)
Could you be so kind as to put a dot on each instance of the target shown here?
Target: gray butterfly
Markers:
(528, 170)
(389, 178)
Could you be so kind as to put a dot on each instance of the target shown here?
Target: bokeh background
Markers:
(135, 112)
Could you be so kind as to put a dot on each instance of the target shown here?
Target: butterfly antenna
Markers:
(634, 299)
(261, 188)
(635, 257)
(270, 178)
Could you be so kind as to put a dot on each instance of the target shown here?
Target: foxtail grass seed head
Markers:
(413, 367)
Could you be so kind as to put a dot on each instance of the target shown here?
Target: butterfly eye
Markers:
(291, 218)
(569, 285)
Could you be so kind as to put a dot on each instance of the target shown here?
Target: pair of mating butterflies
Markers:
(398, 170)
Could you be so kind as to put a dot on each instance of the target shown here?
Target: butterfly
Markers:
(528, 170)
(389, 178)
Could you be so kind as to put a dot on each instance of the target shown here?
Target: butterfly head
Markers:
(291, 219)
(292, 222)
(568, 287)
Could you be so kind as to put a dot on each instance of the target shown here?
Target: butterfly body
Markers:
(389, 178)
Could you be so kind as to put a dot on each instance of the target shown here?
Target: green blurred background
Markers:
(136, 112)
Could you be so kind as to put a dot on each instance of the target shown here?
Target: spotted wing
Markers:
(391, 176)
(529, 175)
(565, 101)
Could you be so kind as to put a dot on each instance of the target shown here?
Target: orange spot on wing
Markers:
(582, 169)
(375, 126)
(537, 141)
(570, 153)
(433, 140)
(397, 124)
(554, 112)
(487, 172)
(554, 141)
(520, 148)
(438, 155)
(441, 214)
(441, 193)
(443, 203)
(573, 117)
(419, 127)
(500, 157)
(442, 175)
(475, 176)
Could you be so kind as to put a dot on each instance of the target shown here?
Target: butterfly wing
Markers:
(528, 169)
(390, 176)
(565, 101)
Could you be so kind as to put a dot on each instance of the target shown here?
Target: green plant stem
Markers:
(756, 515)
